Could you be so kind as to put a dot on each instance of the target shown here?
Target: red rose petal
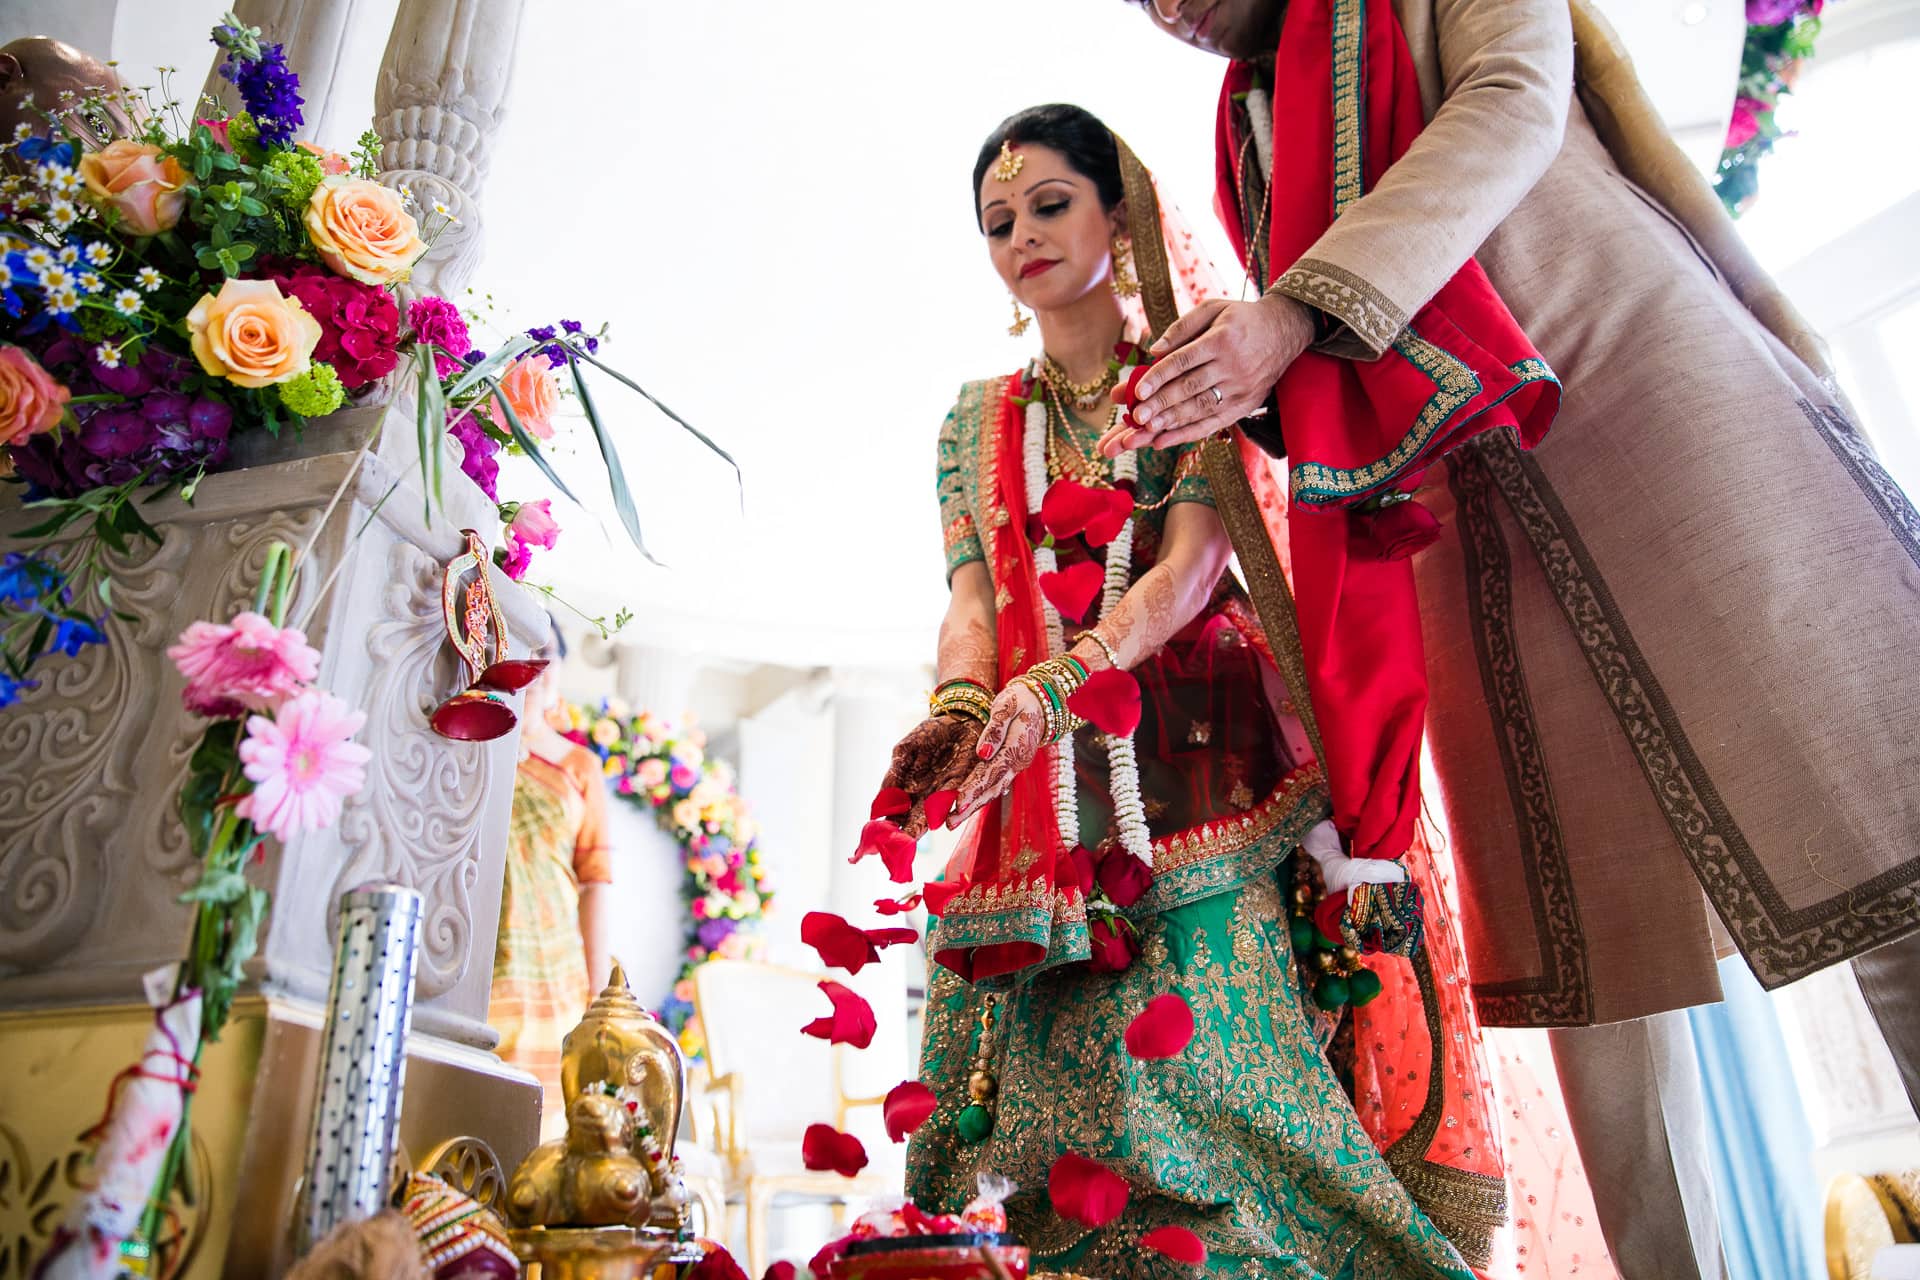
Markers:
(1163, 1029)
(1086, 1192)
(1110, 699)
(716, 1264)
(851, 1021)
(781, 1271)
(939, 805)
(891, 907)
(941, 892)
(1067, 508)
(1326, 916)
(824, 1149)
(892, 802)
(1125, 878)
(1112, 511)
(1073, 590)
(1132, 385)
(907, 1107)
(894, 846)
(839, 944)
(1176, 1243)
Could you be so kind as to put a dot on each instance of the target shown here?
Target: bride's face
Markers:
(1049, 238)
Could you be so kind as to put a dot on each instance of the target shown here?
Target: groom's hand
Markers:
(1214, 366)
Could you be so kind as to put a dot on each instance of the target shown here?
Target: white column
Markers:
(438, 104)
(1861, 1120)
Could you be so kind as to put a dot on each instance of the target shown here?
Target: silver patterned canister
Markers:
(363, 1062)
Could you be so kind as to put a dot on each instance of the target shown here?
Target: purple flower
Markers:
(571, 326)
(116, 433)
(545, 333)
(10, 689)
(477, 459)
(1771, 13)
(716, 931)
(439, 322)
(269, 88)
(681, 778)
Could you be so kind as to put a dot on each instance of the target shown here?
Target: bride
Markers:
(1103, 872)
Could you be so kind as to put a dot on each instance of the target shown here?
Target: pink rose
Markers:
(139, 182)
(652, 772)
(529, 390)
(30, 400)
(534, 524)
(1746, 121)
(363, 231)
(332, 163)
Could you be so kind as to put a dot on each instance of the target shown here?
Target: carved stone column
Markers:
(438, 103)
(320, 38)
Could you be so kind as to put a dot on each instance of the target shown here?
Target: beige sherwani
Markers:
(1671, 650)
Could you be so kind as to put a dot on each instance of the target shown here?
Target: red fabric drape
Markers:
(1360, 430)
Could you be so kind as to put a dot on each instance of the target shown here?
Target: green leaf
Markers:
(430, 422)
(688, 427)
(532, 450)
(218, 887)
(616, 478)
(485, 369)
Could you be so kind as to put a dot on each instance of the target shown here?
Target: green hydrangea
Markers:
(313, 393)
(243, 134)
(301, 172)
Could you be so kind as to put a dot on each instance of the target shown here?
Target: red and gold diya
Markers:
(962, 1256)
(477, 629)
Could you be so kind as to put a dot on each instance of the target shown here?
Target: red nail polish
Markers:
(986, 751)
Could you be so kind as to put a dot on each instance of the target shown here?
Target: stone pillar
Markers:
(1862, 1122)
(438, 104)
(322, 39)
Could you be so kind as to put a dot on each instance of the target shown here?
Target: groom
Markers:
(1665, 691)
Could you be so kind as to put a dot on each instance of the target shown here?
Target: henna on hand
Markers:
(1013, 738)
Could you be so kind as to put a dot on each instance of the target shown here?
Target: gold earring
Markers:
(1124, 282)
(1020, 319)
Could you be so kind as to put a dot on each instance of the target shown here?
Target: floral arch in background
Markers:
(664, 770)
(1780, 36)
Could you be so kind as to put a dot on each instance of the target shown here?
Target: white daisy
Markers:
(39, 259)
(68, 182)
(90, 282)
(64, 215)
(99, 253)
(56, 278)
(149, 279)
(108, 355)
(68, 255)
(46, 173)
(6, 276)
(127, 302)
(61, 301)
(11, 184)
(22, 131)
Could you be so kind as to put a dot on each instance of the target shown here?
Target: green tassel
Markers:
(975, 1123)
(1363, 986)
(1331, 992)
(1302, 930)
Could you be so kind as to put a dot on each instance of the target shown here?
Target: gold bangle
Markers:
(962, 698)
(1113, 659)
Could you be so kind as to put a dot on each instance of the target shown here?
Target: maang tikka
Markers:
(1008, 167)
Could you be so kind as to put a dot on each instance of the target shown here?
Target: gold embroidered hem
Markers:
(1370, 314)
(1247, 1138)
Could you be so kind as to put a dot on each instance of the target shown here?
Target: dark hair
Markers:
(1074, 132)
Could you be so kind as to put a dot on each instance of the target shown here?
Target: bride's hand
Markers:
(936, 755)
(1214, 366)
(1012, 739)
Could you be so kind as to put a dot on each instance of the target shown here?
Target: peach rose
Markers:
(529, 388)
(139, 182)
(331, 162)
(30, 400)
(252, 335)
(362, 231)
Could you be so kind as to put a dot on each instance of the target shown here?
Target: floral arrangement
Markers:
(1780, 37)
(666, 771)
(168, 283)
(276, 759)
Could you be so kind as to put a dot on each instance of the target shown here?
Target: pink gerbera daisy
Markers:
(302, 764)
(246, 664)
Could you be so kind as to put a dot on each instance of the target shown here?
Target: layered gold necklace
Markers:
(1083, 395)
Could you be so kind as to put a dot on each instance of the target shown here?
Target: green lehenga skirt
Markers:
(1246, 1139)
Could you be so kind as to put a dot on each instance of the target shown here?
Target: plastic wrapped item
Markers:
(896, 1240)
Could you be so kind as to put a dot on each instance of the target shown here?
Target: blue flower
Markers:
(24, 578)
(72, 635)
(269, 88)
(36, 150)
(11, 689)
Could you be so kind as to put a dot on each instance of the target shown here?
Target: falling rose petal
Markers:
(1073, 590)
(1067, 508)
(1132, 384)
(941, 892)
(839, 944)
(892, 802)
(1125, 878)
(781, 1271)
(1086, 1192)
(851, 1021)
(1110, 699)
(1176, 1243)
(1111, 513)
(894, 847)
(897, 907)
(907, 1107)
(716, 1264)
(824, 1149)
(884, 938)
(1163, 1029)
(939, 805)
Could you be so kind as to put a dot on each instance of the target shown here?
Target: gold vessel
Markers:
(604, 1202)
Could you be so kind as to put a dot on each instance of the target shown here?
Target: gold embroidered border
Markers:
(1349, 125)
(1223, 836)
(1149, 244)
(1369, 313)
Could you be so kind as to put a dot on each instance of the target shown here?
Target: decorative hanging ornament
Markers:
(477, 629)
(1007, 168)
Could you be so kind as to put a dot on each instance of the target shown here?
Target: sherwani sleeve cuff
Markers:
(1365, 321)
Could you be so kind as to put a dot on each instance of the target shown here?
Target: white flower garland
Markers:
(1123, 763)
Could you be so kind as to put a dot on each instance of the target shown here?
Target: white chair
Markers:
(768, 1082)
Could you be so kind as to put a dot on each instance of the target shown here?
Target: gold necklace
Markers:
(1085, 395)
(1071, 461)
